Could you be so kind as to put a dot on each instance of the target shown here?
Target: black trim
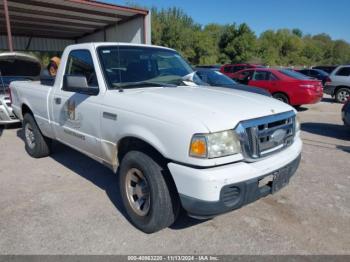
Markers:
(109, 116)
(201, 167)
(239, 194)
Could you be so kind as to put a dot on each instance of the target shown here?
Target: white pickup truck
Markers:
(206, 149)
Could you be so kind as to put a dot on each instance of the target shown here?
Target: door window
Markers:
(261, 75)
(238, 68)
(272, 77)
(228, 69)
(80, 64)
(344, 71)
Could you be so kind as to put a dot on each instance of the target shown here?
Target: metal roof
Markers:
(66, 19)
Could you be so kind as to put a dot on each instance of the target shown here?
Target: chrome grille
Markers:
(263, 136)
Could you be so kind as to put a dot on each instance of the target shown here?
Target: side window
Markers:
(261, 75)
(227, 69)
(344, 71)
(272, 77)
(305, 72)
(313, 73)
(245, 76)
(80, 64)
(237, 68)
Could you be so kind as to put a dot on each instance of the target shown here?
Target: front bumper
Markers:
(234, 196)
(206, 192)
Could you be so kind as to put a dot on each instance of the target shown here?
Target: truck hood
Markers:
(216, 108)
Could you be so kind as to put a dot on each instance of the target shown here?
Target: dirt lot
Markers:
(69, 204)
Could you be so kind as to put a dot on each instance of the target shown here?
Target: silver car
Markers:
(14, 67)
(339, 87)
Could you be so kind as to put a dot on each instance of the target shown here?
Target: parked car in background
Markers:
(328, 69)
(230, 69)
(211, 67)
(215, 78)
(316, 73)
(286, 85)
(14, 67)
(339, 88)
(345, 113)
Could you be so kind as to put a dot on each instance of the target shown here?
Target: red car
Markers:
(230, 69)
(286, 85)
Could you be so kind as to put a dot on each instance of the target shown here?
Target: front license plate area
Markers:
(280, 179)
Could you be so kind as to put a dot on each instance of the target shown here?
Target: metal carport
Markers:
(50, 25)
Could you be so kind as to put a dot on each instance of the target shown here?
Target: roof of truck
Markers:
(98, 44)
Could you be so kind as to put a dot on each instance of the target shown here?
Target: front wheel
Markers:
(281, 97)
(148, 197)
(342, 95)
(36, 144)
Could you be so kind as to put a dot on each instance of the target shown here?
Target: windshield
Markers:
(215, 78)
(138, 66)
(293, 74)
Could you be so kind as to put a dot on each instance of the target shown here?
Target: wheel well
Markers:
(26, 109)
(282, 93)
(127, 144)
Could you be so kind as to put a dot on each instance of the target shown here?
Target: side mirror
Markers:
(78, 84)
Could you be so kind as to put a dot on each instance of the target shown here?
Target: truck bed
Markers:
(35, 96)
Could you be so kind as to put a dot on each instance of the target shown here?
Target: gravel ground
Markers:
(69, 204)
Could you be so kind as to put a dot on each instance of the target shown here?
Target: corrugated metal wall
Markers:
(130, 32)
(20, 43)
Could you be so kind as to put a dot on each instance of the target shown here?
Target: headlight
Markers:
(215, 144)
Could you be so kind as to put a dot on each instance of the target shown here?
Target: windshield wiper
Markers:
(141, 84)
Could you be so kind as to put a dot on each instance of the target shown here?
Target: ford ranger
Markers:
(207, 150)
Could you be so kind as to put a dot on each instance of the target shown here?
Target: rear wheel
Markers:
(281, 97)
(36, 144)
(148, 197)
(342, 95)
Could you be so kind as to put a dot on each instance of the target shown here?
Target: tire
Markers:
(281, 97)
(36, 144)
(159, 206)
(342, 95)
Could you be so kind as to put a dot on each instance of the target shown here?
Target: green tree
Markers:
(238, 43)
(234, 43)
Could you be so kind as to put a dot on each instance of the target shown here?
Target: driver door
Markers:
(77, 115)
(263, 79)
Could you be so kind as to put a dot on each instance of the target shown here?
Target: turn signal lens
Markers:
(198, 147)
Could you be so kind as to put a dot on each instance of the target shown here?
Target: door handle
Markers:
(57, 100)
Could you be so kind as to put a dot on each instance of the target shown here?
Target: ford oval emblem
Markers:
(278, 136)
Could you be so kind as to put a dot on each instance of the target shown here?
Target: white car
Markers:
(207, 149)
(14, 66)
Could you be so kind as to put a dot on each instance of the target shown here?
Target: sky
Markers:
(311, 16)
